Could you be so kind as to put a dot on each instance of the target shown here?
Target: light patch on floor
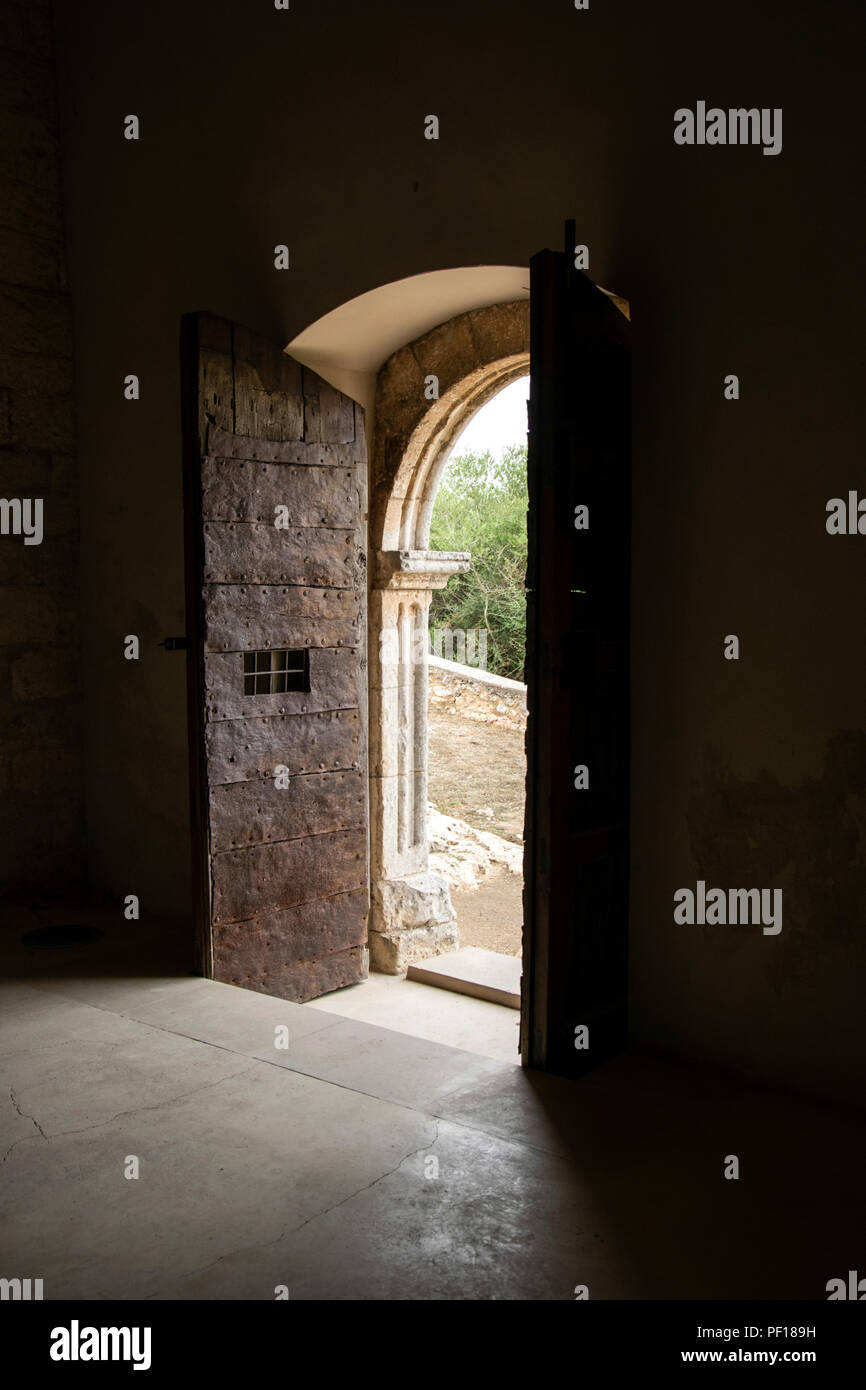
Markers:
(422, 1011)
(358, 1161)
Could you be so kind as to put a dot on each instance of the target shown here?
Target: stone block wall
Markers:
(476, 694)
(41, 812)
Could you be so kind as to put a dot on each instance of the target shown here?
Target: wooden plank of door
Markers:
(574, 1012)
(281, 861)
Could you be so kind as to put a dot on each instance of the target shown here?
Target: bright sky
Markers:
(502, 421)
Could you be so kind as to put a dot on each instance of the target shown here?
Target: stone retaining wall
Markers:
(475, 694)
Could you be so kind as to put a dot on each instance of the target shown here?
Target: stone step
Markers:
(471, 970)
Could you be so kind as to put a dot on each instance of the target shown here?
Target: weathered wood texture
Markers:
(292, 871)
(246, 490)
(240, 750)
(333, 685)
(235, 551)
(224, 443)
(250, 813)
(293, 936)
(268, 389)
(314, 978)
(250, 616)
(288, 866)
(266, 953)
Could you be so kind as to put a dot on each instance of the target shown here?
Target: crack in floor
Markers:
(157, 1105)
(263, 1245)
(24, 1116)
(428, 1109)
(428, 1144)
(133, 1110)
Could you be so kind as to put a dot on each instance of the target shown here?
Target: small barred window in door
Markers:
(273, 672)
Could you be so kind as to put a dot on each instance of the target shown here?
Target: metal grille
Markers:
(274, 672)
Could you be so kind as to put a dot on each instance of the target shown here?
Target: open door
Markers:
(275, 478)
(577, 673)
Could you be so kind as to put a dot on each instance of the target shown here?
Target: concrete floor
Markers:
(422, 1011)
(311, 1167)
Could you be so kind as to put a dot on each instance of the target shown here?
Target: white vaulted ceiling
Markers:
(349, 345)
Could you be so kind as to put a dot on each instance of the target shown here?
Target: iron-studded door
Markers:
(275, 508)
(577, 672)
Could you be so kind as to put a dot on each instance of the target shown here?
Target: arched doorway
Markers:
(285, 888)
(426, 393)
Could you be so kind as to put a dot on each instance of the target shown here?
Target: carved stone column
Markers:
(411, 915)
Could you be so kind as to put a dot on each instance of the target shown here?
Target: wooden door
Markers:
(578, 577)
(275, 512)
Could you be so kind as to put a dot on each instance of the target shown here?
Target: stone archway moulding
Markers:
(471, 357)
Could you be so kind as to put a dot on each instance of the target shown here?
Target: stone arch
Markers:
(472, 357)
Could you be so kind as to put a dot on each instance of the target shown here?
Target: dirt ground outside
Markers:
(477, 772)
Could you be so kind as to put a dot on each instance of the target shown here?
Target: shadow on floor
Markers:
(362, 1163)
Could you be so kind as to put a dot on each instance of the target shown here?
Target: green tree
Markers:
(481, 507)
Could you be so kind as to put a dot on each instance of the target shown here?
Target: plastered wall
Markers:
(41, 802)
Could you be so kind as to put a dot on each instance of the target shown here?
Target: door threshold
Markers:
(473, 971)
